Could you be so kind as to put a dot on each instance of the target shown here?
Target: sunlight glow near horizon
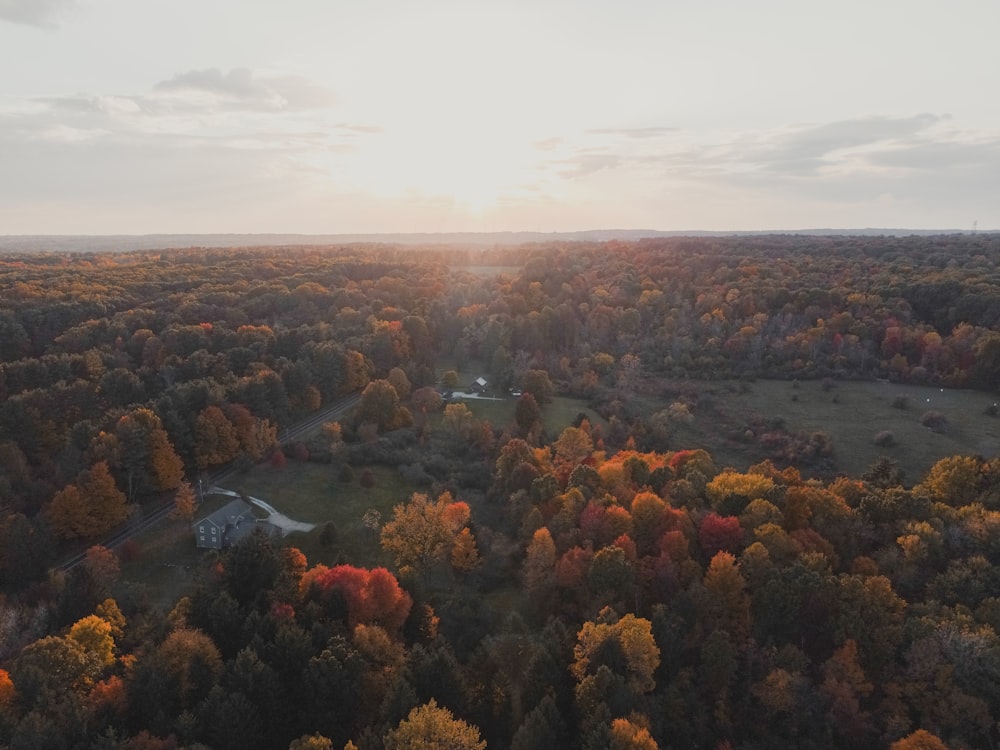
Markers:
(388, 117)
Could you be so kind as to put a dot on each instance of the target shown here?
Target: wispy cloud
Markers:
(241, 88)
(41, 13)
(650, 132)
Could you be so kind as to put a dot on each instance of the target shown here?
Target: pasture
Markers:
(850, 413)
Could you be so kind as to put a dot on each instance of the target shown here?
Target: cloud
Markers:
(241, 89)
(41, 13)
(651, 132)
(587, 164)
(806, 150)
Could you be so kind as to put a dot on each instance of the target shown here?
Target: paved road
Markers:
(152, 517)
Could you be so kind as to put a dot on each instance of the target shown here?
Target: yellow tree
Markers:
(464, 553)
(629, 735)
(629, 636)
(422, 532)
(573, 445)
(539, 563)
(725, 605)
(185, 503)
(312, 742)
(94, 635)
(431, 727)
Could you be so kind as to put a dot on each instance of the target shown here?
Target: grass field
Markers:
(560, 413)
(851, 414)
(168, 559)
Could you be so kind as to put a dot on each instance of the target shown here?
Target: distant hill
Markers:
(125, 242)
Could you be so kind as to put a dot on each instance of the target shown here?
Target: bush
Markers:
(935, 421)
(900, 402)
(884, 438)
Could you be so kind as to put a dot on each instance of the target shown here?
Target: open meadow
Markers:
(851, 414)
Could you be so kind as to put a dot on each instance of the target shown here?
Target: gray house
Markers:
(227, 525)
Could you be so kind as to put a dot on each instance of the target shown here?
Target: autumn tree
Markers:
(572, 446)
(89, 508)
(539, 564)
(371, 597)
(459, 420)
(422, 532)
(215, 438)
(430, 727)
(527, 414)
(725, 605)
(312, 742)
(919, 740)
(380, 405)
(255, 435)
(625, 644)
(626, 734)
(185, 503)
(400, 382)
(538, 384)
(145, 455)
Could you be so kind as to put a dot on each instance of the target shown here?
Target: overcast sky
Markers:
(329, 116)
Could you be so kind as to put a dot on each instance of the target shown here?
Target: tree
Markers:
(145, 454)
(185, 503)
(720, 533)
(430, 727)
(365, 597)
(192, 663)
(625, 645)
(573, 446)
(215, 438)
(380, 405)
(422, 532)
(527, 413)
(726, 605)
(464, 553)
(256, 436)
(954, 480)
(102, 565)
(919, 740)
(400, 383)
(459, 419)
(538, 384)
(91, 507)
(628, 735)
(312, 742)
(539, 564)
(94, 635)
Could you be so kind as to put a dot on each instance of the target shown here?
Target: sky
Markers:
(344, 116)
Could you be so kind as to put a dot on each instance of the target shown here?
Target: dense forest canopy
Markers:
(594, 584)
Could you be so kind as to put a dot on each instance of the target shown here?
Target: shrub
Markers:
(935, 421)
(884, 438)
(900, 402)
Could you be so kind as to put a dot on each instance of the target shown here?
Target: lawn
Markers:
(314, 493)
(560, 413)
(168, 560)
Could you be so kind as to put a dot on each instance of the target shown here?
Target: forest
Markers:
(597, 581)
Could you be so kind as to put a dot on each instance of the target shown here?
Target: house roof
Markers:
(228, 513)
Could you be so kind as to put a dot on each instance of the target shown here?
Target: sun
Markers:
(474, 167)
